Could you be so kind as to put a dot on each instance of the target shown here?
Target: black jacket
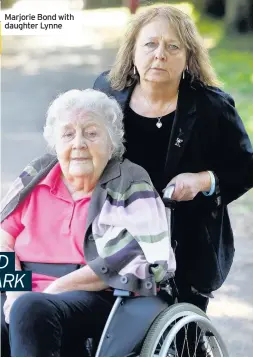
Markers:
(214, 138)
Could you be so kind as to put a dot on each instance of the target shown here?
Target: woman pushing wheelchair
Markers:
(85, 221)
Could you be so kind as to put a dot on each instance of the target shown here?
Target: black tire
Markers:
(174, 314)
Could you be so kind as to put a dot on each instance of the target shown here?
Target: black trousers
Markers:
(56, 325)
(186, 295)
(43, 325)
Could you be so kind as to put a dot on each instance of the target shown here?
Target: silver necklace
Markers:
(158, 123)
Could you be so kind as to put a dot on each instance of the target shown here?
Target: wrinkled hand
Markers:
(11, 298)
(52, 288)
(188, 185)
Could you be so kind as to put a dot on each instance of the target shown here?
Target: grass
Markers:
(232, 60)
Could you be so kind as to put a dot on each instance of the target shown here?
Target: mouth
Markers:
(158, 69)
(80, 159)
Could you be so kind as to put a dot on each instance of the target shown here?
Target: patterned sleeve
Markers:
(17, 186)
(13, 223)
(137, 218)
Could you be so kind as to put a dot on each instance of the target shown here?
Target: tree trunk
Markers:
(251, 15)
(215, 8)
(237, 18)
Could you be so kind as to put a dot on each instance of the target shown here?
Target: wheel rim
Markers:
(205, 334)
(160, 339)
(203, 340)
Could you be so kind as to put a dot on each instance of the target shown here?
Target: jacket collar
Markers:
(99, 194)
(112, 171)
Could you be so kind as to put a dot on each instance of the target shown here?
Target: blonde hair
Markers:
(198, 62)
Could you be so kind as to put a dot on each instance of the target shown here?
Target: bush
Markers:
(6, 4)
(96, 4)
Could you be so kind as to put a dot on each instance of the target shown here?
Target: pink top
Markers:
(49, 226)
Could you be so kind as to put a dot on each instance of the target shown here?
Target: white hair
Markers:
(92, 101)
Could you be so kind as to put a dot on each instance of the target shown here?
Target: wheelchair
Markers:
(179, 330)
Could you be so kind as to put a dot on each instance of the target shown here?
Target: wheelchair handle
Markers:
(168, 192)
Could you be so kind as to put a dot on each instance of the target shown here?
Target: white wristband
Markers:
(212, 189)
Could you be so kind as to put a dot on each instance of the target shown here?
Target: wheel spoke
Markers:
(183, 333)
(187, 342)
(196, 346)
(175, 344)
(185, 338)
(209, 353)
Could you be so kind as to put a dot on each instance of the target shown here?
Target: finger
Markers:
(179, 192)
(169, 184)
(7, 315)
(175, 192)
(5, 307)
(168, 191)
(7, 319)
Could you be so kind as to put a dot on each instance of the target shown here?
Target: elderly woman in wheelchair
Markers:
(91, 227)
(85, 222)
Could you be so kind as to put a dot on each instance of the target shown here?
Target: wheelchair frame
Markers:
(180, 314)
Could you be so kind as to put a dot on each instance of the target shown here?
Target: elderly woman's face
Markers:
(83, 147)
(159, 56)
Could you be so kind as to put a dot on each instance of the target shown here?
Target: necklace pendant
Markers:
(159, 124)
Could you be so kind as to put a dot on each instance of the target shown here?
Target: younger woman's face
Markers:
(159, 55)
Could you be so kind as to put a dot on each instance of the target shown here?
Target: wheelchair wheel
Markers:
(183, 330)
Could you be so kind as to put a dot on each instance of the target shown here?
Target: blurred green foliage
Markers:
(95, 4)
(232, 58)
(5, 4)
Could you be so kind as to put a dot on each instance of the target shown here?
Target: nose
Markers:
(79, 141)
(160, 53)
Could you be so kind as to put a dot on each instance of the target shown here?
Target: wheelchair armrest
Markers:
(121, 293)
